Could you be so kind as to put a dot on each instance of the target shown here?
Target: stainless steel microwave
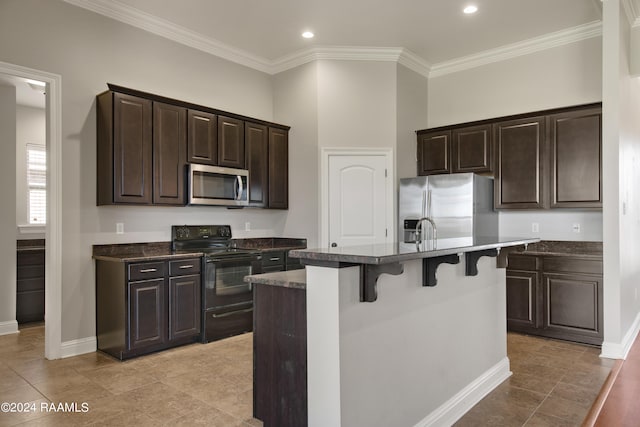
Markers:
(217, 186)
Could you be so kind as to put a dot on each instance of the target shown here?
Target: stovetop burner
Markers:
(213, 240)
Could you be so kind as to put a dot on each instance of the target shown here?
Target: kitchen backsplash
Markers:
(575, 225)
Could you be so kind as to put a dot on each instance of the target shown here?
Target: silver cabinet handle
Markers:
(183, 267)
(148, 270)
(231, 313)
(274, 259)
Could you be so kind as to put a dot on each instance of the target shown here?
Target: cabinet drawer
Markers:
(184, 266)
(528, 263)
(576, 265)
(147, 270)
(273, 258)
(30, 258)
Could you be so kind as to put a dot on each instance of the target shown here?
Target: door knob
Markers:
(334, 245)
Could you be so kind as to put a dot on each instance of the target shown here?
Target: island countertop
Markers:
(398, 252)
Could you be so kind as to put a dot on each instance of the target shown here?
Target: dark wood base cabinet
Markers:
(142, 307)
(280, 356)
(555, 296)
(30, 285)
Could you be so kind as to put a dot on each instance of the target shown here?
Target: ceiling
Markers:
(435, 30)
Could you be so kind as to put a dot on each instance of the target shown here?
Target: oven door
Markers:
(224, 282)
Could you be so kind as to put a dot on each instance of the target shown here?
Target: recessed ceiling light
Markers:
(470, 9)
(307, 35)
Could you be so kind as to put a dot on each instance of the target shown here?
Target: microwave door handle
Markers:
(240, 188)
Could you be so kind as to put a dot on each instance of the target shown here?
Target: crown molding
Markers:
(536, 44)
(352, 53)
(161, 27)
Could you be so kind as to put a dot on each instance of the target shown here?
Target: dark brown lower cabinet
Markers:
(143, 307)
(30, 285)
(280, 356)
(555, 296)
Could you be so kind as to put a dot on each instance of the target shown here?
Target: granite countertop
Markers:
(296, 279)
(398, 252)
(136, 252)
(564, 248)
(270, 243)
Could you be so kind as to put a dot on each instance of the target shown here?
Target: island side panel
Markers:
(417, 355)
(323, 343)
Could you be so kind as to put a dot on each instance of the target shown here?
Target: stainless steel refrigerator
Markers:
(460, 205)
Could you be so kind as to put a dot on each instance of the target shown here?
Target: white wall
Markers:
(296, 103)
(559, 77)
(89, 50)
(7, 209)
(30, 129)
(621, 172)
(356, 104)
(412, 89)
(634, 52)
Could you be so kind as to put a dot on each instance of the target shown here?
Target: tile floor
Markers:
(554, 384)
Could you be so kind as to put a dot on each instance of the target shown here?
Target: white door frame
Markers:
(325, 154)
(53, 234)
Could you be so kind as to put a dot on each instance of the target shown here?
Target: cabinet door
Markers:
(278, 168)
(132, 146)
(572, 307)
(433, 153)
(202, 144)
(522, 300)
(256, 147)
(520, 158)
(230, 142)
(147, 313)
(184, 306)
(471, 149)
(169, 153)
(576, 159)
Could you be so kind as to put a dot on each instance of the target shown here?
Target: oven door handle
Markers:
(231, 313)
(231, 259)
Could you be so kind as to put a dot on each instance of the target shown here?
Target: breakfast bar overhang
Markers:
(403, 336)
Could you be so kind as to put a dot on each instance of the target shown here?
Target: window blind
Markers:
(37, 182)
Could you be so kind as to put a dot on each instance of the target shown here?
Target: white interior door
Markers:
(358, 205)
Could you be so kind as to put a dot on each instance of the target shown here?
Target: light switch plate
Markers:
(119, 227)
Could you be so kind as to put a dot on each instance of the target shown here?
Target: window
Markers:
(37, 182)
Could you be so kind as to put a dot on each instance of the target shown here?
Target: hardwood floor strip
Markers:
(596, 408)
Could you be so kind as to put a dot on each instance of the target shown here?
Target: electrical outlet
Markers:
(535, 227)
(247, 226)
(576, 228)
(119, 227)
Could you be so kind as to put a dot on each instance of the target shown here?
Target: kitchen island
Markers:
(397, 336)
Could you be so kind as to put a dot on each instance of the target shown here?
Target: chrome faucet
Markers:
(419, 230)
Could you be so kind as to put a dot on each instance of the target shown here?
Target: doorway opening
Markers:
(53, 227)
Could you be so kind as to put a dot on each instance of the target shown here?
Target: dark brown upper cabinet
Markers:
(278, 168)
(125, 149)
(471, 149)
(169, 152)
(257, 160)
(576, 158)
(434, 149)
(203, 138)
(520, 163)
(146, 141)
(230, 142)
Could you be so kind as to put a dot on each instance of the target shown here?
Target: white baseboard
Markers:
(453, 409)
(10, 327)
(612, 350)
(78, 347)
